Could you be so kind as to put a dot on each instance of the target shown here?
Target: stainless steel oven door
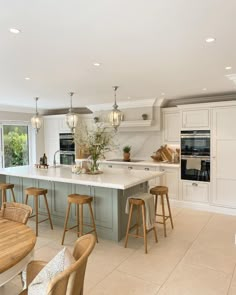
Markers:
(195, 168)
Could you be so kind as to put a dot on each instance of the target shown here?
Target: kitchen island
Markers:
(109, 190)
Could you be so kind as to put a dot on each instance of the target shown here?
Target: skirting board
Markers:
(203, 207)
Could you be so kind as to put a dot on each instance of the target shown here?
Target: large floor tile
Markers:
(232, 289)
(118, 283)
(211, 257)
(195, 280)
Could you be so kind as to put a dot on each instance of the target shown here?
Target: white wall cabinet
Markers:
(171, 125)
(171, 180)
(195, 119)
(223, 157)
(195, 191)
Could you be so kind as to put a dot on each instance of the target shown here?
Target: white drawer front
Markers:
(195, 191)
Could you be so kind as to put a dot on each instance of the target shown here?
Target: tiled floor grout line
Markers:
(116, 269)
(185, 253)
(231, 279)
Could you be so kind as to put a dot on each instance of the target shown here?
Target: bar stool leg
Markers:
(137, 220)
(77, 218)
(80, 219)
(13, 195)
(93, 221)
(36, 213)
(163, 214)
(156, 200)
(128, 225)
(155, 233)
(3, 196)
(168, 204)
(26, 199)
(49, 215)
(66, 221)
(144, 227)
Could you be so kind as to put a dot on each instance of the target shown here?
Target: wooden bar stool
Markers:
(4, 187)
(162, 191)
(79, 201)
(36, 192)
(140, 206)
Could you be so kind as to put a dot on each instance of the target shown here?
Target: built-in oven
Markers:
(195, 155)
(66, 142)
(67, 148)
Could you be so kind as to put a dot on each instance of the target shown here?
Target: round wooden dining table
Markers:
(17, 242)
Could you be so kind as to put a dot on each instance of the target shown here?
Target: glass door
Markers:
(14, 145)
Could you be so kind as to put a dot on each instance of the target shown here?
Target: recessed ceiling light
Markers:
(204, 89)
(96, 64)
(163, 93)
(129, 97)
(27, 78)
(228, 68)
(210, 40)
(15, 31)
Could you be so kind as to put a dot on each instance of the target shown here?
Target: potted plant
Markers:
(126, 152)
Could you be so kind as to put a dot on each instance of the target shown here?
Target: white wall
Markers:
(143, 144)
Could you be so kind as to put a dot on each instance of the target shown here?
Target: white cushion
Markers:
(58, 264)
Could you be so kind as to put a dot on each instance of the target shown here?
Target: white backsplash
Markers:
(143, 144)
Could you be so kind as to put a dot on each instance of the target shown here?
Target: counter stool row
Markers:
(78, 200)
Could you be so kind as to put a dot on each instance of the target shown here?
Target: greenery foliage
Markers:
(15, 145)
(126, 149)
(95, 142)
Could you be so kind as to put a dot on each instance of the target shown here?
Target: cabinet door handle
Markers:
(130, 167)
(194, 184)
(146, 168)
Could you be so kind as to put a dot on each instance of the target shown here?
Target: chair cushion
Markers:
(58, 264)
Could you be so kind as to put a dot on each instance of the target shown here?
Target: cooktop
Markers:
(121, 160)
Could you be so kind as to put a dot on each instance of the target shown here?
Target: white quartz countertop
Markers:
(110, 178)
(142, 163)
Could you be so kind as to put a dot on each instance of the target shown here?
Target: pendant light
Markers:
(71, 117)
(115, 115)
(36, 120)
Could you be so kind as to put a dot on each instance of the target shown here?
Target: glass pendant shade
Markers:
(115, 118)
(71, 117)
(36, 120)
(115, 115)
(71, 121)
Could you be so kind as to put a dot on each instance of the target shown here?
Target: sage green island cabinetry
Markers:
(109, 190)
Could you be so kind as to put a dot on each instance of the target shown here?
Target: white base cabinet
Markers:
(195, 191)
(171, 180)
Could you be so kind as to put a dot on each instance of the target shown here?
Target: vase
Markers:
(94, 167)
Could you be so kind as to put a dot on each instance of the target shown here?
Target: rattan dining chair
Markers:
(71, 280)
(16, 212)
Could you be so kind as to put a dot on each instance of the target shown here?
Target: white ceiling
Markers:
(145, 46)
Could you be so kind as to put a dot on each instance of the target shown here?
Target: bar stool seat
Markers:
(4, 187)
(79, 201)
(37, 192)
(140, 205)
(162, 191)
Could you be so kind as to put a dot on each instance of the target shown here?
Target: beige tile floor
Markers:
(197, 257)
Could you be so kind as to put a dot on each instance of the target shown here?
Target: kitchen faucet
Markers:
(54, 157)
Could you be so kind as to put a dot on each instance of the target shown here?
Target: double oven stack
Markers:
(67, 148)
(195, 155)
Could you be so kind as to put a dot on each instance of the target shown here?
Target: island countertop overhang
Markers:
(110, 178)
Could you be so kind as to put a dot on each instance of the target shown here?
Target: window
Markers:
(15, 145)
